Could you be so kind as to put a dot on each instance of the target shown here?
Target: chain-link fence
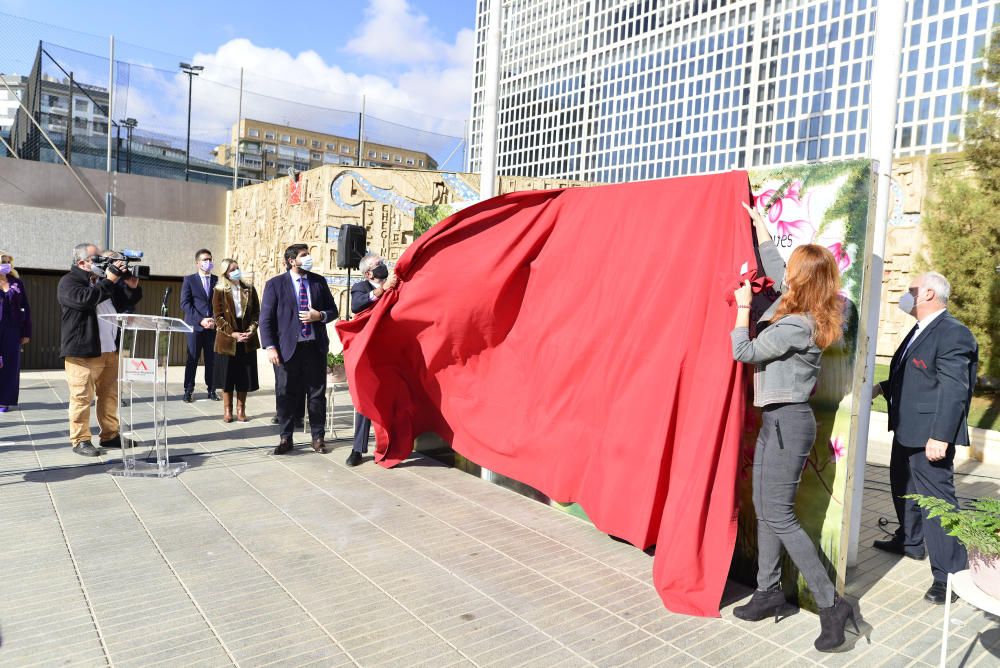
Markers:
(198, 119)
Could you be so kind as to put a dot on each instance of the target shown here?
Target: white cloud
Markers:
(394, 33)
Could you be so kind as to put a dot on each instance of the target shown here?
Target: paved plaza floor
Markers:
(254, 560)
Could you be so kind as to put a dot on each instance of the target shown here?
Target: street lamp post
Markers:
(118, 146)
(129, 124)
(192, 71)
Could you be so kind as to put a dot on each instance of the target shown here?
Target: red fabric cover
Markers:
(578, 341)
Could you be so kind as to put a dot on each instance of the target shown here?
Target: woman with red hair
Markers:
(806, 319)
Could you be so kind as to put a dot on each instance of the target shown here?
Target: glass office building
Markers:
(625, 90)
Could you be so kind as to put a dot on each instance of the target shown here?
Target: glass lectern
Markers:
(136, 371)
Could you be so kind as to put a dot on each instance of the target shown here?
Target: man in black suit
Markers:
(196, 302)
(364, 294)
(929, 391)
(293, 314)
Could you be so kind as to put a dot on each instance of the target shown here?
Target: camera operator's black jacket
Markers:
(79, 299)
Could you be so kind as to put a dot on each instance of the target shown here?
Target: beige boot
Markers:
(241, 406)
(227, 406)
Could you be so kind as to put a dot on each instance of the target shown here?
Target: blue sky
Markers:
(411, 59)
(185, 27)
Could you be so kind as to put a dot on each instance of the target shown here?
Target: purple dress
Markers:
(15, 323)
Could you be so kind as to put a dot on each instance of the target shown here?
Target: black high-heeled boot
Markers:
(762, 605)
(832, 622)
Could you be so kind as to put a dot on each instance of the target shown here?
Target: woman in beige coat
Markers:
(236, 308)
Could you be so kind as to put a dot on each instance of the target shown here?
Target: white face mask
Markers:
(306, 263)
(907, 303)
(234, 275)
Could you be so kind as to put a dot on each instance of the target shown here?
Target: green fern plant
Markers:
(334, 360)
(976, 526)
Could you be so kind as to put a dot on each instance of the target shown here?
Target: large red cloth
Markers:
(578, 341)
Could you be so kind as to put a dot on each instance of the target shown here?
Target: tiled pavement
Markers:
(255, 560)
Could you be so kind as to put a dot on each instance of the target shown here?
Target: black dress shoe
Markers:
(188, 397)
(319, 445)
(87, 449)
(115, 442)
(299, 424)
(937, 593)
(894, 546)
(354, 458)
(285, 446)
(213, 395)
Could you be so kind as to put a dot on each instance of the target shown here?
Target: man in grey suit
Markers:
(364, 295)
(929, 391)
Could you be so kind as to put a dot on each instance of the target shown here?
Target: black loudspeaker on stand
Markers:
(352, 243)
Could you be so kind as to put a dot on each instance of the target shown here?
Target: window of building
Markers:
(253, 132)
(81, 105)
(345, 148)
(317, 156)
(398, 158)
(286, 138)
(385, 156)
(421, 162)
(54, 101)
(372, 154)
(269, 134)
(317, 143)
(300, 141)
(80, 123)
(409, 161)
(331, 147)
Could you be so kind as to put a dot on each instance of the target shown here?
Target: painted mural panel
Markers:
(827, 204)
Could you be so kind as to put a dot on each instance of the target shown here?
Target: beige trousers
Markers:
(85, 377)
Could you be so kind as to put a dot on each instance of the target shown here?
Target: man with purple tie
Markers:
(196, 302)
(293, 314)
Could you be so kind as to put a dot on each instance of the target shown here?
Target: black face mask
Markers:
(381, 272)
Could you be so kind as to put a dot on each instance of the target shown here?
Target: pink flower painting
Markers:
(841, 256)
(837, 448)
(789, 214)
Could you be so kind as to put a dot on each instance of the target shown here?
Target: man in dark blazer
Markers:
(929, 391)
(293, 314)
(196, 302)
(364, 294)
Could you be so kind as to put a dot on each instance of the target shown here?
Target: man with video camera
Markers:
(94, 285)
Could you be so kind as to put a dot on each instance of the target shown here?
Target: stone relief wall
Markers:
(264, 219)
(905, 243)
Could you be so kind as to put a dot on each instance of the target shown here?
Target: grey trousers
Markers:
(785, 440)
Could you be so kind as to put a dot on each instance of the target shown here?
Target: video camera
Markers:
(106, 263)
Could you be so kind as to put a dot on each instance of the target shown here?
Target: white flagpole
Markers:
(887, 53)
(491, 92)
